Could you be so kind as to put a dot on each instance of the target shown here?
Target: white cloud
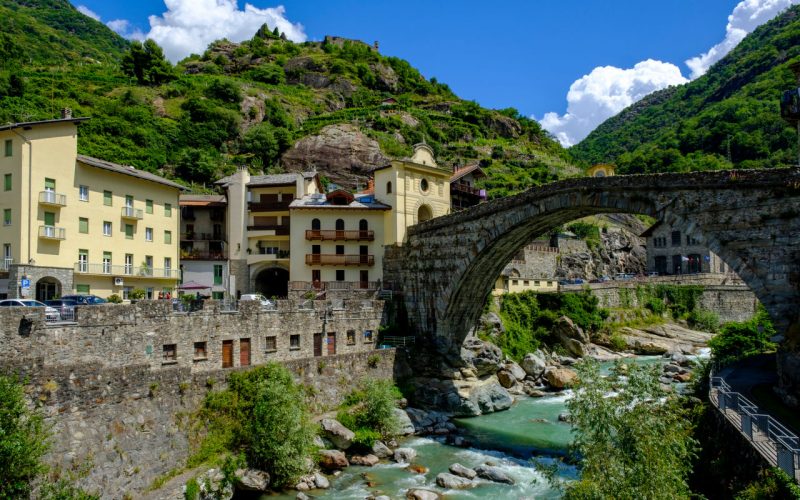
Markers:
(604, 92)
(188, 26)
(746, 16)
(123, 28)
(86, 11)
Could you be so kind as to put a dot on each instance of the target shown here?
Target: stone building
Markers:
(204, 242)
(532, 269)
(673, 251)
(77, 224)
(463, 191)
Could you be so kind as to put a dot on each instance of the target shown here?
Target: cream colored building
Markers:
(76, 224)
(516, 284)
(417, 189)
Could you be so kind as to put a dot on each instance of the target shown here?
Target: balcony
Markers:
(280, 229)
(52, 233)
(467, 190)
(305, 286)
(202, 237)
(5, 264)
(203, 255)
(328, 259)
(268, 206)
(333, 235)
(52, 199)
(126, 270)
(132, 213)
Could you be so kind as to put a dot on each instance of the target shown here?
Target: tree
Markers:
(24, 440)
(632, 438)
(742, 340)
(146, 62)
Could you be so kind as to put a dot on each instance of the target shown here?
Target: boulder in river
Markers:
(516, 370)
(380, 450)
(460, 470)
(252, 479)
(453, 482)
(332, 460)
(534, 364)
(421, 494)
(561, 378)
(405, 455)
(335, 432)
(366, 460)
(404, 425)
(494, 474)
(506, 379)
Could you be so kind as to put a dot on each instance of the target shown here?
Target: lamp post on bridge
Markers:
(790, 105)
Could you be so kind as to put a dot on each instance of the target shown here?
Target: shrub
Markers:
(192, 491)
(114, 299)
(365, 438)
(137, 294)
(224, 90)
(371, 408)
(701, 319)
(23, 441)
(268, 73)
(656, 305)
(742, 340)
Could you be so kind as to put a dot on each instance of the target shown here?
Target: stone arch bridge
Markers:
(750, 218)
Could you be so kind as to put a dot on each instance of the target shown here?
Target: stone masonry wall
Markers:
(729, 302)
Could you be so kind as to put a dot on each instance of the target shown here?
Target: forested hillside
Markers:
(729, 117)
(267, 103)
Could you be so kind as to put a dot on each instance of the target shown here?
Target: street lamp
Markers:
(790, 105)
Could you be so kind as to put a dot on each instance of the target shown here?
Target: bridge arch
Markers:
(447, 266)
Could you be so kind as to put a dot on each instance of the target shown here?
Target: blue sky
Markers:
(522, 54)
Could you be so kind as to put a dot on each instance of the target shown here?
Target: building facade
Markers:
(204, 243)
(464, 192)
(673, 251)
(532, 269)
(76, 224)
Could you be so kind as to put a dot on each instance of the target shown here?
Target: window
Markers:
(351, 337)
(107, 262)
(126, 292)
(149, 293)
(170, 353)
(83, 225)
(339, 225)
(106, 228)
(82, 289)
(49, 185)
(148, 234)
(423, 185)
(167, 210)
(148, 265)
(128, 201)
(676, 238)
(83, 260)
(691, 240)
(50, 220)
(107, 198)
(148, 206)
(217, 274)
(9, 147)
(294, 342)
(389, 187)
(362, 225)
(217, 295)
(661, 264)
(200, 351)
(339, 249)
(660, 241)
(7, 217)
(315, 225)
(340, 275)
(168, 237)
(677, 267)
(83, 193)
(7, 182)
(315, 249)
(515, 282)
(167, 267)
(367, 335)
(271, 344)
(128, 263)
(129, 231)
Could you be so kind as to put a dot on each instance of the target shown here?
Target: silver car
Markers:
(50, 313)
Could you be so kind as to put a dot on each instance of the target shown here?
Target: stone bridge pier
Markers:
(750, 218)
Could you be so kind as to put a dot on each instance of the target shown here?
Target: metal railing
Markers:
(5, 264)
(52, 198)
(202, 237)
(339, 259)
(132, 213)
(779, 446)
(340, 235)
(126, 270)
(404, 341)
(52, 232)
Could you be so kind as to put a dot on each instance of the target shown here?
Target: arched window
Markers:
(339, 225)
(315, 224)
(362, 225)
(389, 187)
(424, 213)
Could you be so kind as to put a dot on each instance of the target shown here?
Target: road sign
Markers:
(25, 283)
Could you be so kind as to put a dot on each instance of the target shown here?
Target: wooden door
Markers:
(331, 344)
(227, 353)
(317, 344)
(244, 352)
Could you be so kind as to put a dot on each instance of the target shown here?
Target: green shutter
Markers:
(49, 219)
(7, 217)
(129, 231)
(49, 184)
(83, 289)
(148, 205)
(83, 225)
(168, 209)
(9, 148)
(7, 182)
(107, 198)
(168, 237)
(217, 274)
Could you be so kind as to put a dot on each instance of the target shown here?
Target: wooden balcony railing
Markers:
(334, 235)
(469, 190)
(280, 230)
(328, 259)
(304, 286)
(268, 206)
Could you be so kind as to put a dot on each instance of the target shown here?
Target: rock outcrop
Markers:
(332, 460)
(336, 433)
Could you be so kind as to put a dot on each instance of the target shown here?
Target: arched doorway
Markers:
(424, 213)
(273, 282)
(47, 289)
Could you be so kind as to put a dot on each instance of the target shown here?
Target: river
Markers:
(509, 439)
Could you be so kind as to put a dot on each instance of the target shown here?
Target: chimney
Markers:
(66, 113)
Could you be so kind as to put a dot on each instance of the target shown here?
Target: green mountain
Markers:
(730, 117)
(268, 103)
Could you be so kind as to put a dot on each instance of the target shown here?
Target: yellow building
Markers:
(417, 189)
(76, 224)
(600, 170)
(516, 284)
(337, 241)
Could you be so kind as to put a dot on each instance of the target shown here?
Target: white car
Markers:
(265, 302)
(50, 313)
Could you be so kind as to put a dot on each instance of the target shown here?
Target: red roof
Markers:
(460, 172)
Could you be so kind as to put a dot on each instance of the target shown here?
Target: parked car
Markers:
(85, 300)
(265, 302)
(652, 274)
(65, 307)
(50, 313)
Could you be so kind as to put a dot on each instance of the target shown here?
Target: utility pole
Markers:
(790, 105)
